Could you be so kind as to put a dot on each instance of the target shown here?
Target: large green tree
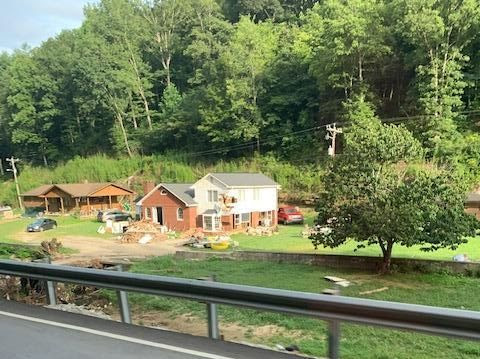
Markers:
(235, 114)
(381, 192)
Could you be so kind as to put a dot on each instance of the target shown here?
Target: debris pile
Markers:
(314, 230)
(261, 231)
(144, 232)
(51, 248)
(200, 241)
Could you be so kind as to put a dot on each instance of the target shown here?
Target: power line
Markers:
(249, 144)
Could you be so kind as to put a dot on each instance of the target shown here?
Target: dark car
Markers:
(41, 225)
(287, 215)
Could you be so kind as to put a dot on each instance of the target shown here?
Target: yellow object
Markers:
(220, 246)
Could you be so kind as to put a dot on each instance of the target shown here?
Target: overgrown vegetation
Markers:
(298, 180)
(309, 334)
(8, 251)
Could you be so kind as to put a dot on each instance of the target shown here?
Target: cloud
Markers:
(33, 21)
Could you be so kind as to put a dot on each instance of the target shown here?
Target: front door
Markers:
(160, 215)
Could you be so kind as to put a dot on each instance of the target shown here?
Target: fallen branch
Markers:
(373, 291)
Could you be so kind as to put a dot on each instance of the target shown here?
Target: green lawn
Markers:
(67, 226)
(290, 239)
(309, 334)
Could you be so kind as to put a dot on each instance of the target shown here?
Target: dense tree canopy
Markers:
(383, 193)
(144, 76)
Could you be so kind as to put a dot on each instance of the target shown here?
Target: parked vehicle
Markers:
(41, 225)
(33, 212)
(288, 215)
(113, 214)
(120, 217)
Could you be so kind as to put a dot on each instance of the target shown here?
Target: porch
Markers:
(213, 221)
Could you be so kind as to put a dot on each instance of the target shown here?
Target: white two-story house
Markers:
(216, 202)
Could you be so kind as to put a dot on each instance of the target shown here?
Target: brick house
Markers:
(216, 202)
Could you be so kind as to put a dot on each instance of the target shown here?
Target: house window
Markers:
(256, 194)
(242, 219)
(212, 196)
(148, 213)
(208, 223)
(211, 223)
(180, 214)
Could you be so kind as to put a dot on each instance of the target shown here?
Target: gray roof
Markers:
(241, 179)
(473, 197)
(182, 191)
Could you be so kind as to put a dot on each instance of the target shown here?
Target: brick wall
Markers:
(170, 205)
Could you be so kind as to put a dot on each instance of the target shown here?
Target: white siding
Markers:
(247, 201)
(201, 188)
(267, 199)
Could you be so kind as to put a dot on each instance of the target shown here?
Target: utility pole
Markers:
(13, 169)
(332, 132)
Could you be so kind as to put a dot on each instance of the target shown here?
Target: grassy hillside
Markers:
(297, 181)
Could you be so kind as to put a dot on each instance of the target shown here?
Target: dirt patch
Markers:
(190, 324)
(100, 248)
(384, 281)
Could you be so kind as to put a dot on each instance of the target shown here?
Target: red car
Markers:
(287, 215)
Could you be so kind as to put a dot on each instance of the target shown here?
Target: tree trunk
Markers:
(387, 256)
(124, 133)
(134, 116)
(45, 162)
(141, 91)
(2, 171)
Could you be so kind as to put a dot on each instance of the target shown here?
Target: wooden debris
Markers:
(373, 291)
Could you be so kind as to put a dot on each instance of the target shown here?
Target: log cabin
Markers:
(86, 198)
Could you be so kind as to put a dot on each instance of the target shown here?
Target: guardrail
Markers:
(334, 309)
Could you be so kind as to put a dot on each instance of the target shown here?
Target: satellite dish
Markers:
(217, 208)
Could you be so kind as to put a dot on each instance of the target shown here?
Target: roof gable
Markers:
(74, 189)
(182, 191)
(244, 179)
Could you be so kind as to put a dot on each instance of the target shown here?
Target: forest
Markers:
(228, 78)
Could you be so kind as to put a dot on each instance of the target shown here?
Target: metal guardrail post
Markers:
(212, 317)
(51, 293)
(333, 339)
(334, 325)
(123, 302)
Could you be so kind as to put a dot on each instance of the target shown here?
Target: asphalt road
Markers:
(28, 332)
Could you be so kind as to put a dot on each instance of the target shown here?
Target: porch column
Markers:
(61, 205)
(77, 205)
(88, 205)
(110, 201)
(46, 204)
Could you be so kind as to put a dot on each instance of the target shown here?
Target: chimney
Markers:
(148, 186)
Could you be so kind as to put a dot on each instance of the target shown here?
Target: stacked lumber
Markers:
(143, 232)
